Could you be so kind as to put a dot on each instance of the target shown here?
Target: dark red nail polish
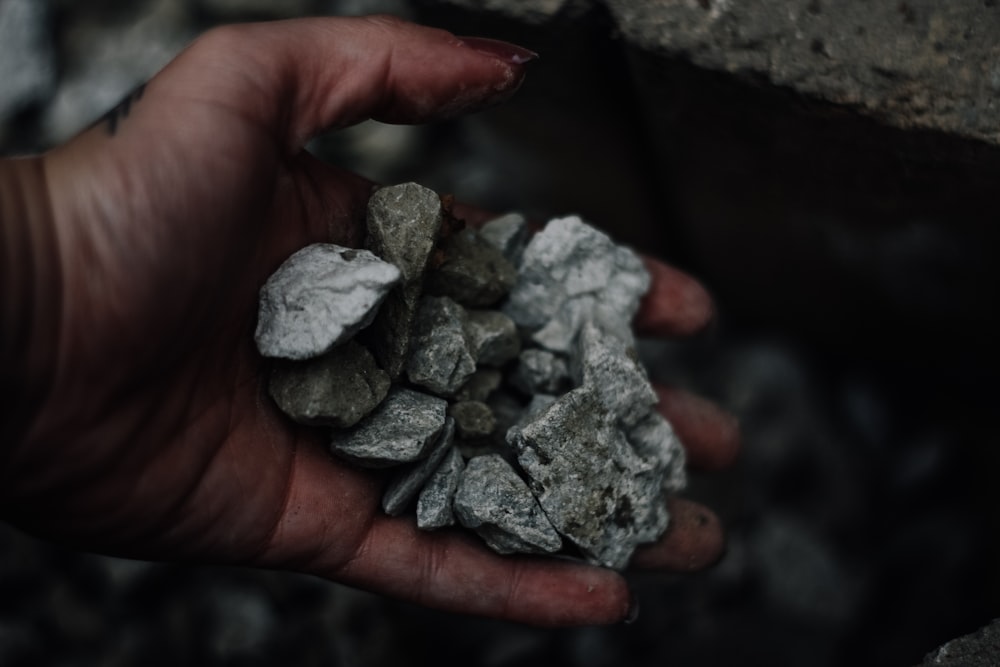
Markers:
(509, 53)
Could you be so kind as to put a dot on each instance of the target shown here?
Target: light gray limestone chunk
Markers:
(493, 501)
(493, 337)
(654, 439)
(480, 385)
(571, 272)
(474, 419)
(508, 234)
(434, 506)
(441, 359)
(319, 297)
(27, 60)
(402, 429)
(406, 484)
(473, 272)
(593, 487)
(403, 224)
(540, 372)
(337, 389)
(611, 367)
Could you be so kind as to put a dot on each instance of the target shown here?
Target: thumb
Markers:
(304, 76)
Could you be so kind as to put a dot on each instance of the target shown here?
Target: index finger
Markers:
(675, 305)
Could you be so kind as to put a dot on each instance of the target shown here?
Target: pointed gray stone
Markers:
(540, 372)
(493, 501)
(508, 234)
(402, 429)
(441, 359)
(493, 337)
(337, 389)
(406, 484)
(434, 506)
(403, 224)
(591, 484)
(319, 297)
(571, 272)
(473, 272)
(474, 419)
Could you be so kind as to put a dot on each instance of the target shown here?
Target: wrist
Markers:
(30, 298)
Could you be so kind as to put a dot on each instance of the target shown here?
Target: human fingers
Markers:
(693, 541)
(675, 305)
(710, 435)
(330, 526)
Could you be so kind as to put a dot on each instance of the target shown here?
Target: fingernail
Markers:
(510, 53)
(633, 610)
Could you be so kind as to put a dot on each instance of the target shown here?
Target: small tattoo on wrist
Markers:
(120, 112)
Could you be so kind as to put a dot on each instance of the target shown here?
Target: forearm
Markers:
(30, 298)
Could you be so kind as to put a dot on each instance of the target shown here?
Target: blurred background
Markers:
(829, 172)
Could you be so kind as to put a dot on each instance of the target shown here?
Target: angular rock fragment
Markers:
(319, 297)
(493, 337)
(611, 367)
(569, 273)
(540, 372)
(406, 484)
(508, 234)
(441, 359)
(473, 273)
(402, 429)
(336, 389)
(434, 506)
(592, 486)
(654, 440)
(403, 224)
(474, 419)
(480, 385)
(493, 501)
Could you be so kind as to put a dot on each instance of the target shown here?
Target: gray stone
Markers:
(654, 440)
(434, 506)
(402, 429)
(319, 297)
(480, 385)
(593, 487)
(441, 358)
(571, 272)
(492, 336)
(474, 419)
(539, 403)
(406, 484)
(540, 372)
(496, 503)
(336, 389)
(473, 272)
(612, 368)
(508, 234)
(27, 61)
(977, 649)
(403, 224)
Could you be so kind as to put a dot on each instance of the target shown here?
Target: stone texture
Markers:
(473, 272)
(653, 439)
(403, 223)
(977, 649)
(402, 429)
(336, 389)
(508, 234)
(493, 501)
(27, 62)
(434, 506)
(492, 336)
(441, 358)
(593, 487)
(319, 297)
(540, 372)
(611, 367)
(474, 419)
(571, 272)
(480, 385)
(406, 484)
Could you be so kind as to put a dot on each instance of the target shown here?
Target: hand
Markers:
(154, 437)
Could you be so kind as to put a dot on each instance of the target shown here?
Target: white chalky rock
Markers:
(493, 501)
(570, 273)
(319, 297)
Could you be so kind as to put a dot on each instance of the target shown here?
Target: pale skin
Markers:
(135, 419)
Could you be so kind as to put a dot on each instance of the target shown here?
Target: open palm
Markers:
(156, 438)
